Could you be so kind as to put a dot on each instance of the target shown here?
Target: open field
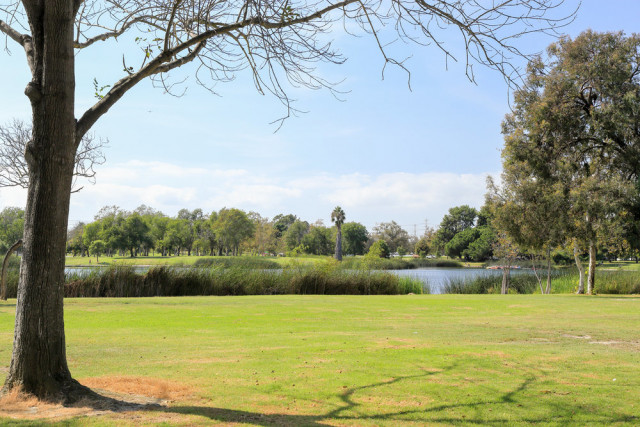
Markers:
(353, 360)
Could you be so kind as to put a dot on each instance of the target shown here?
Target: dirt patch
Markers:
(577, 337)
(118, 394)
(141, 386)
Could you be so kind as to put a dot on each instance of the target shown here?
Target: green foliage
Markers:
(11, 227)
(458, 219)
(354, 238)
(460, 242)
(376, 263)
(97, 248)
(562, 257)
(232, 227)
(571, 156)
(379, 249)
(472, 244)
(295, 233)
(481, 248)
(393, 234)
(422, 247)
(318, 241)
(282, 222)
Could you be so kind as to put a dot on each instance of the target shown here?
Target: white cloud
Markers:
(407, 198)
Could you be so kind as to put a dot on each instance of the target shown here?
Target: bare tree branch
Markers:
(14, 171)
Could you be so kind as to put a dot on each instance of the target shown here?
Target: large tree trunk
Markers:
(580, 270)
(38, 362)
(591, 279)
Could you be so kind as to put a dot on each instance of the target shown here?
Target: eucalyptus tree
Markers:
(573, 138)
(276, 41)
(338, 217)
(233, 227)
(392, 233)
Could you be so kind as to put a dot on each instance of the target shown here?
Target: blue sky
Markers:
(383, 152)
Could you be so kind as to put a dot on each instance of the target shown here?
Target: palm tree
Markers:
(337, 217)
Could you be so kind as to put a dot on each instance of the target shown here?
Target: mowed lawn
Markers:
(358, 360)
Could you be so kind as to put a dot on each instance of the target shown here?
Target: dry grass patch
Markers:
(119, 394)
(141, 386)
(21, 406)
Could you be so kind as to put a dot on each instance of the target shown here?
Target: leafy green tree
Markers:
(354, 238)
(233, 227)
(481, 248)
(97, 248)
(179, 235)
(458, 219)
(91, 232)
(318, 241)
(574, 126)
(338, 217)
(422, 247)
(11, 227)
(393, 234)
(264, 238)
(136, 233)
(379, 249)
(282, 222)
(457, 246)
(295, 233)
(74, 240)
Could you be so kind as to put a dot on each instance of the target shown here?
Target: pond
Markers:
(437, 277)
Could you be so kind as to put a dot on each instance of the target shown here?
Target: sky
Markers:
(380, 150)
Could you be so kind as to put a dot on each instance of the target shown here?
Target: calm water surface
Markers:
(437, 277)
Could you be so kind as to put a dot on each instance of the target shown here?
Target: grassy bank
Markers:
(562, 281)
(353, 360)
(180, 261)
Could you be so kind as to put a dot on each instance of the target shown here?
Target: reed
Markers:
(327, 279)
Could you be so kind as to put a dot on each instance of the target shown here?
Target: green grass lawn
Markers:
(71, 261)
(354, 360)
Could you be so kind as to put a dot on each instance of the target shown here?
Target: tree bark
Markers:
(591, 279)
(505, 279)
(38, 362)
(580, 270)
(548, 290)
(339, 244)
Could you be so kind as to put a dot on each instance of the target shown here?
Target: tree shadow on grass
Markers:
(347, 412)
(557, 411)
